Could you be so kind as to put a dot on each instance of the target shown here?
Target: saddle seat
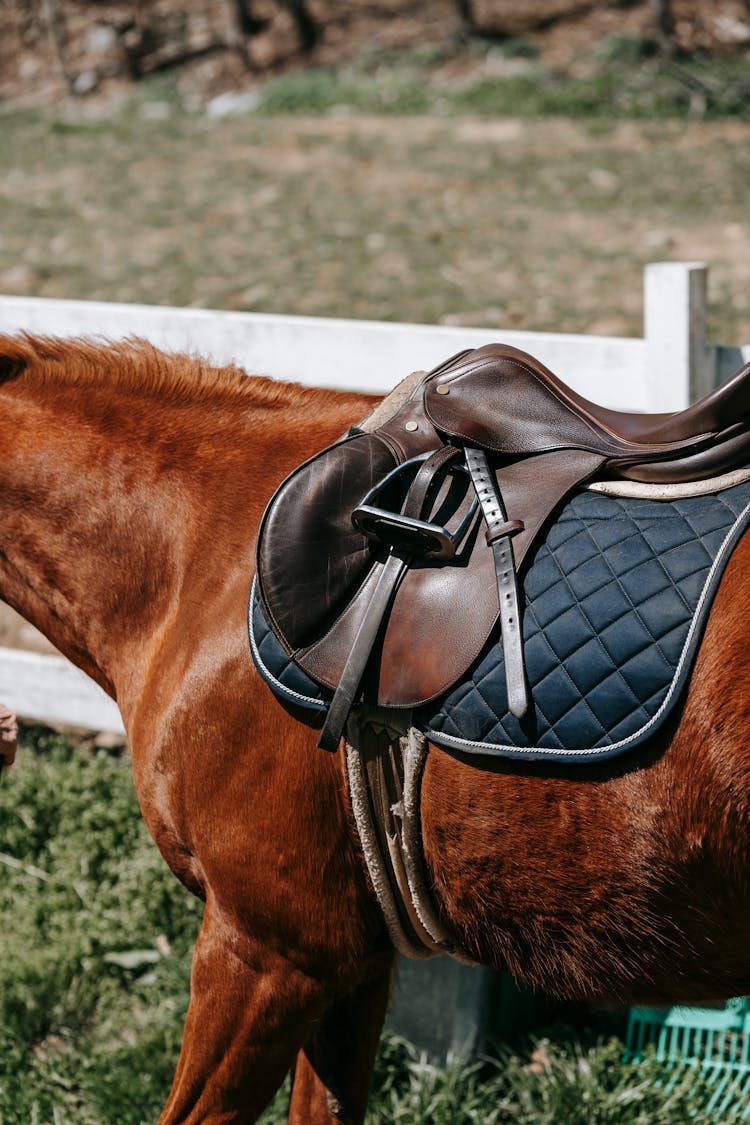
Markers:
(507, 402)
(371, 570)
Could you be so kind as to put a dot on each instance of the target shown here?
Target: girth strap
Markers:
(416, 506)
(500, 530)
(385, 760)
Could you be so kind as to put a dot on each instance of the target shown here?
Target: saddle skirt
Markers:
(615, 600)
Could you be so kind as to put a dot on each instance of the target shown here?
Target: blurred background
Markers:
(465, 162)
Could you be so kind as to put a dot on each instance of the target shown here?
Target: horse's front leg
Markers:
(249, 1013)
(333, 1071)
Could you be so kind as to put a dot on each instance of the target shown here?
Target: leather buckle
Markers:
(509, 528)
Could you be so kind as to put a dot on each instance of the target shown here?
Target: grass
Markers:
(556, 1082)
(94, 976)
(629, 83)
(94, 983)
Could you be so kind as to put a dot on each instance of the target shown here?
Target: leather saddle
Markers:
(386, 561)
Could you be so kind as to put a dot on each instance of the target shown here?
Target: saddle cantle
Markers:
(385, 562)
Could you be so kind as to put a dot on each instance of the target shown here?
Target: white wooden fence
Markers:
(670, 366)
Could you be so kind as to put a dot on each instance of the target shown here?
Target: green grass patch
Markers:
(326, 91)
(628, 84)
(552, 1082)
(94, 977)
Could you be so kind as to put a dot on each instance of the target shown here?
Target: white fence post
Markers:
(678, 359)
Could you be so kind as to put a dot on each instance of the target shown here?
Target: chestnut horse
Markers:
(131, 488)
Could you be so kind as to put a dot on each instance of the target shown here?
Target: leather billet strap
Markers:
(416, 506)
(500, 530)
(346, 693)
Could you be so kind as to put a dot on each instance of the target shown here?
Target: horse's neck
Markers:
(118, 516)
(84, 549)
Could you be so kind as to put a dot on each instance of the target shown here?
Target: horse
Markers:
(132, 484)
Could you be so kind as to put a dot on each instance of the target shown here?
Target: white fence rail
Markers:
(50, 689)
(670, 366)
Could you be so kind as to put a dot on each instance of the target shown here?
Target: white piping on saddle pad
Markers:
(639, 490)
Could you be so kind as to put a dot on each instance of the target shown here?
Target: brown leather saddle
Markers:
(385, 562)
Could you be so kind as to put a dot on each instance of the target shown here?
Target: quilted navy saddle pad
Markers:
(615, 600)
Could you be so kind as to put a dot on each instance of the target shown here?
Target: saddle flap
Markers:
(317, 573)
(310, 558)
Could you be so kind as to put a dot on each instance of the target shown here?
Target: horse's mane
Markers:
(135, 364)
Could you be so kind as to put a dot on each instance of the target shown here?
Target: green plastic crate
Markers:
(712, 1040)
